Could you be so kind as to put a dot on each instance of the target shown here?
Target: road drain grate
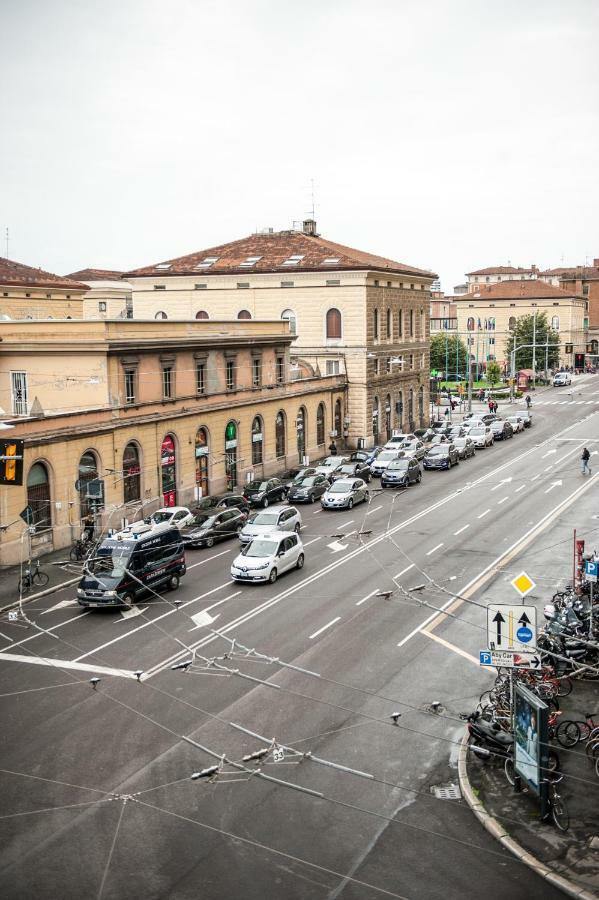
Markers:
(446, 791)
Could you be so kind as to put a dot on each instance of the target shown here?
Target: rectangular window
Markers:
(332, 366)
(388, 365)
(332, 282)
(102, 306)
(129, 386)
(491, 340)
(256, 371)
(128, 307)
(422, 360)
(230, 375)
(19, 393)
(200, 287)
(376, 366)
(411, 324)
(243, 284)
(280, 369)
(376, 282)
(288, 284)
(160, 287)
(200, 378)
(411, 361)
(167, 382)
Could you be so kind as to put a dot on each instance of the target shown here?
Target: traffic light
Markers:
(569, 348)
(11, 461)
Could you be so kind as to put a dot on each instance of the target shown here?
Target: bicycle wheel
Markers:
(41, 578)
(567, 733)
(508, 768)
(564, 687)
(560, 814)
(597, 767)
(75, 553)
(592, 744)
(23, 586)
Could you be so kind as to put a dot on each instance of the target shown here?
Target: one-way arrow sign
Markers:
(511, 628)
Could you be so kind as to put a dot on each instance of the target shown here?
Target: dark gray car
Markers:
(353, 469)
(401, 473)
(209, 526)
(308, 489)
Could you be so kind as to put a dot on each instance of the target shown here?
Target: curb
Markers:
(50, 590)
(498, 831)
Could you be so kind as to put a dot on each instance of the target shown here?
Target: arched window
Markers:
(320, 417)
(388, 415)
(202, 314)
(400, 409)
(375, 417)
(375, 324)
(257, 441)
(400, 323)
(333, 324)
(168, 465)
(411, 323)
(411, 409)
(470, 324)
(555, 323)
(38, 495)
(131, 474)
(338, 425)
(389, 324)
(90, 487)
(202, 452)
(161, 315)
(231, 455)
(244, 314)
(511, 324)
(421, 406)
(301, 428)
(289, 316)
(280, 443)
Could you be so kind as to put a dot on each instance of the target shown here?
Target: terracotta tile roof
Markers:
(19, 275)
(270, 252)
(95, 275)
(571, 272)
(515, 290)
(502, 270)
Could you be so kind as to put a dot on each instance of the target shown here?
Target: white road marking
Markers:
(49, 630)
(324, 627)
(373, 510)
(521, 488)
(444, 643)
(549, 452)
(463, 528)
(336, 546)
(403, 571)
(548, 468)
(131, 613)
(216, 555)
(61, 605)
(316, 511)
(307, 543)
(345, 524)
(483, 514)
(435, 548)
(534, 477)
(503, 481)
(67, 664)
(203, 619)
(367, 597)
(553, 484)
(503, 499)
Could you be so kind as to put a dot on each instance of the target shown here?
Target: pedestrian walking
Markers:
(528, 401)
(333, 448)
(447, 411)
(495, 406)
(584, 462)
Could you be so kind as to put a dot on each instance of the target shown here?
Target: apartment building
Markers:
(496, 275)
(108, 295)
(29, 293)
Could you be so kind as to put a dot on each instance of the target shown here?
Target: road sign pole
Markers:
(591, 618)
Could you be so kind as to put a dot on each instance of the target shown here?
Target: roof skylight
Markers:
(294, 260)
(249, 261)
(330, 261)
(207, 262)
(163, 266)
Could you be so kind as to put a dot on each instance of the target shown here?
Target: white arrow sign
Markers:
(503, 481)
(203, 619)
(553, 484)
(510, 627)
(335, 546)
(131, 613)
(62, 605)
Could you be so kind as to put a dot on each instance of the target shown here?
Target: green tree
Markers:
(448, 354)
(522, 335)
(493, 373)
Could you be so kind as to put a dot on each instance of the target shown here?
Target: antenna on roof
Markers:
(313, 215)
(7, 240)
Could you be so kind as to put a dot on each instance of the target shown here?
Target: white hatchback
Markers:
(268, 556)
(172, 515)
(328, 465)
(517, 423)
(277, 518)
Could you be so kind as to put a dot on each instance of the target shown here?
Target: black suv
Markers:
(261, 493)
(441, 456)
(308, 489)
(224, 501)
(501, 430)
(401, 473)
(208, 526)
(356, 468)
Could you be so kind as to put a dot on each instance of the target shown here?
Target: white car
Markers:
(379, 465)
(517, 423)
(561, 379)
(344, 493)
(482, 437)
(172, 515)
(397, 440)
(268, 556)
(277, 518)
(328, 465)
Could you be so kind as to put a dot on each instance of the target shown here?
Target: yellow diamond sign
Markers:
(523, 584)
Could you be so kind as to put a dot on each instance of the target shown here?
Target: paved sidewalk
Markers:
(56, 565)
(514, 818)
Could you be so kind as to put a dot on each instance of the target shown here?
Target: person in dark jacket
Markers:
(332, 449)
(584, 462)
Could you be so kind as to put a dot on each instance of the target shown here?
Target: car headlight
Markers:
(263, 566)
(110, 593)
(80, 592)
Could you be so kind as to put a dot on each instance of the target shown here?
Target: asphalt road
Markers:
(97, 795)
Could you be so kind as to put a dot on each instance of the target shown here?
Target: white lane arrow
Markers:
(553, 485)
(336, 546)
(64, 603)
(503, 481)
(203, 619)
(549, 452)
(131, 613)
(593, 452)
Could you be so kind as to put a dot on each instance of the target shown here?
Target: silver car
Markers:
(482, 436)
(328, 465)
(379, 465)
(517, 422)
(344, 492)
(277, 518)
(415, 449)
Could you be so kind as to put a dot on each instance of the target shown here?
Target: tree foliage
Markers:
(522, 334)
(493, 373)
(444, 347)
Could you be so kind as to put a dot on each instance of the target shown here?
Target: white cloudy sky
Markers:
(449, 134)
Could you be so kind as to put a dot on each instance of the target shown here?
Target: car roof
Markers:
(171, 509)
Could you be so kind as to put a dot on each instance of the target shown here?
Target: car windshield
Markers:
(386, 455)
(257, 485)
(439, 450)
(260, 548)
(331, 463)
(398, 465)
(339, 487)
(160, 516)
(348, 470)
(307, 482)
(477, 432)
(202, 520)
(265, 518)
(111, 560)
(460, 442)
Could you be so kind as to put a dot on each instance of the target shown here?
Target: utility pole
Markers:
(534, 349)
(469, 364)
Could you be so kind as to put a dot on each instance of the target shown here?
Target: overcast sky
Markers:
(448, 134)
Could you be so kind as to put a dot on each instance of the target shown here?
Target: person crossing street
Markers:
(584, 462)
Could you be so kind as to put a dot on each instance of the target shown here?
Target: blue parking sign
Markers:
(591, 569)
(486, 658)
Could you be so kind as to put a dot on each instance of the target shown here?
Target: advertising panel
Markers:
(530, 737)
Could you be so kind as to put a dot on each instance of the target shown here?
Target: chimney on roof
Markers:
(596, 263)
(309, 227)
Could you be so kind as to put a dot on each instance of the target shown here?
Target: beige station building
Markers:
(353, 313)
(29, 293)
(124, 416)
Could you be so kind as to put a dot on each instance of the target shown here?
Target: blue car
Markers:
(367, 456)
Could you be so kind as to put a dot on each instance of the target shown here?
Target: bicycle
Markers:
(32, 575)
(81, 549)
(557, 807)
(571, 732)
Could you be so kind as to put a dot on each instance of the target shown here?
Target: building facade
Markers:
(498, 274)
(581, 280)
(108, 295)
(351, 312)
(122, 417)
(29, 293)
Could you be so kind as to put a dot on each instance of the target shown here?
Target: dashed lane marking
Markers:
(435, 548)
(324, 627)
(503, 499)
(521, 488)
(216, 555)
(373, 510)
(367, 597)
(452, 647)
(483, 514)
(403, 571)
(463, 528)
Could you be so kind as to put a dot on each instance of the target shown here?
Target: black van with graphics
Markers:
(130, 563)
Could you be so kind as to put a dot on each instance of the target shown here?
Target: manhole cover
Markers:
(446, 791)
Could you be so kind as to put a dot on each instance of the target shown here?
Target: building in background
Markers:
(29, 293)
(584, 282)
(122, 417)
(443, 313)
(352, 312)
(109, 294)
(497, 274)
